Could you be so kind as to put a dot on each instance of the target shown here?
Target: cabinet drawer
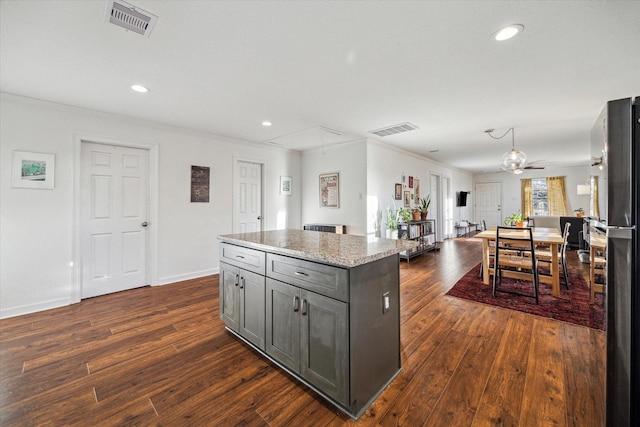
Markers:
(323, 279)
(249, 259)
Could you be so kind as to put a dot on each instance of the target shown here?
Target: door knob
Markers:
(259, 217)
(145, 224)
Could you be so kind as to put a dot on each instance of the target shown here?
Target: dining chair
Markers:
(546, 257)
(492, 253)
(524, 261)
(598, 279)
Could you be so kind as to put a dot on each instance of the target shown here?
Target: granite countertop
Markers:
(343, 250)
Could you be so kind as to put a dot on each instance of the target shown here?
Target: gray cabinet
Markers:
(324, 344)
(242, 292)
(242, 303)
(336, 329)
(308, 333)
(283, 323)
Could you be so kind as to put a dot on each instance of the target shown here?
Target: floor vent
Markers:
(392, 130)
(130, 17)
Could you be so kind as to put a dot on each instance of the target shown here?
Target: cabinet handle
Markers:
(237, 279)
(296, 303)
(300, 273)
(304, 307)
(241, 282)
(239, 256)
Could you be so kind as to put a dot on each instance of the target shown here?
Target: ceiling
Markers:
(331, 71)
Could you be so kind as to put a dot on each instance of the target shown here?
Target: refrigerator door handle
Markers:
(620, 232)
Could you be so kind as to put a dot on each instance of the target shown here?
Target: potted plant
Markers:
(514, 219)
(424, 206)
(579, 212)
(405, 214)
(393, 217)
(415, 213)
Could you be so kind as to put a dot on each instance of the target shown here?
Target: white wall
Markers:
(37, 226)
(350, 160)
(385, 167)
(511, 190)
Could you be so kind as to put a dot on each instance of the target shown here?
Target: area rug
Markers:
(572, 306)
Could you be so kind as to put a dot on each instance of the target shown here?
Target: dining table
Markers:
(541, 236)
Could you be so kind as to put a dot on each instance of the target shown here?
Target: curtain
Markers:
(594, 209)
(527, 198)
(556, 195)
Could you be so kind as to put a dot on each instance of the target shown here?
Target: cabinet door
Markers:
(283, 323)
(252, 308)
(325, 345)
(230, 295)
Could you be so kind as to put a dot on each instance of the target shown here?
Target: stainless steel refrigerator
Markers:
(615, 142)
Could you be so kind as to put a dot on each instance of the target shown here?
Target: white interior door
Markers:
(488, 198)
(248, 197)
(114, 214)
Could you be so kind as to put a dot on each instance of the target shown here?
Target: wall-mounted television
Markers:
(461, 200)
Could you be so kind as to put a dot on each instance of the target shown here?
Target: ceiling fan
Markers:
(531, 166)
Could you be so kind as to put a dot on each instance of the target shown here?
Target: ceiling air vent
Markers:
(129, 17)
(392, 130)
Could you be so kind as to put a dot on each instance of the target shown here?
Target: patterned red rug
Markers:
(572, 306)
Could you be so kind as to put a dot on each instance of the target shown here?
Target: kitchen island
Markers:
(325, 307)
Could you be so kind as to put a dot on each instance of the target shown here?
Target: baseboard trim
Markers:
(33, 308)
(63, 302)
(188, 276)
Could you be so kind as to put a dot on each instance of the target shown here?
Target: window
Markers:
(539, 195)
(544, 196)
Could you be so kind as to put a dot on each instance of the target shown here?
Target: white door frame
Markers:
(447, 207)
(439, 199)
(152, 253)
(234, 195)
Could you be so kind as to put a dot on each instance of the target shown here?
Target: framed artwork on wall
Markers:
(416, 185)
(410, 182)
(398, 192)
(200, 184)
(285, 185)
(330, 190)
(407, 199)
(33, 170)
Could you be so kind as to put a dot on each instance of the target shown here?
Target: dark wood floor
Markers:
(161, 356)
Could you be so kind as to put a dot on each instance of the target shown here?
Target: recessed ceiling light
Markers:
(266, 123)
(139, 88)
(507, 32)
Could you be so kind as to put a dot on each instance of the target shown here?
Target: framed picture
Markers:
(200, 184)
(407, 199)
(416, 185)
(398, 192)
(410, 182)
(330, 190)
(285, 185)
(33, 170)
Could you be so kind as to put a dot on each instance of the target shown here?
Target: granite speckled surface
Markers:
(342, 250)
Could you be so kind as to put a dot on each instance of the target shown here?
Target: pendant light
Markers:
(513, 160)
